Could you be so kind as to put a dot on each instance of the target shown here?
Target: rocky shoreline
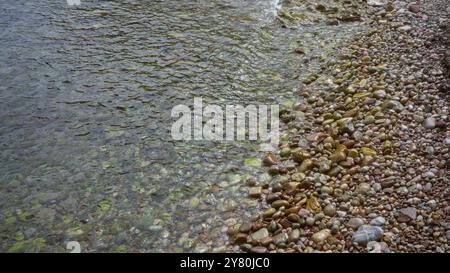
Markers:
(363, 162)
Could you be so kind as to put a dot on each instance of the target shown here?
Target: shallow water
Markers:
(86, 95)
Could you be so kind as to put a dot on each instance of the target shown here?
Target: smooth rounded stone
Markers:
(334, 229)
(448, 231)
(330, 210)
(363, 188)
(277, 188)
(270, 160)
(316, 137)
(376, 187)
(306, 165)
(429, 123)
(413, 7)
(407, 214)
(298, 177)
(372, 215)
(369, 119)
(447, 141)
(338, 156)
(324, 166)
(272, 226)
(299, 155)
(429, 150)
(310, 221)
(294, 236)
(402, 191)
(258, 249)
(358, 135)
(269, 212)
(394, 104)
(379, 94)
(272, 197)
(368, 151)
(294, 218)
(260, 235)
(285, 152)
(319, 216)
(377, 3)
(277, 214)
(255, 192)
(280, 238)
(321, 236)
(355, 222)
(304, 213)
(432, 203)
(405, 28)
(367, 233)
(246, 227)
(378, 221)
(280, 203)
(292, 210)
(378, 247)
(352, 153)
(428, 174)
(320, 178)
(245, 247)
(326, 189)
(240, 238)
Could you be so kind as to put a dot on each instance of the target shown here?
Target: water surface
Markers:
(86, 94)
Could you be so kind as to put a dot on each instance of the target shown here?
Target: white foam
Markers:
(276, 5)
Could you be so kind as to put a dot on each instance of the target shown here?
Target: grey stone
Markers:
(429, 123)
(378, 221)
(260, 235)
(280, 238)
(367, 233)
(321, 236)
(355, 222)
(407, 214)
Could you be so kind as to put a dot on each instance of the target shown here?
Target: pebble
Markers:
(402, 191)
(378, 221)
(428, 174)
(245, 228)
(413, 7)
(258, 249)
(280, 238)
(294, 236)
(330, 210)
(255, 192)
(355, 222)
(363, 188)
(407, 214)
(260, 235)
(321, 236)
(365, 147)
(280, 203)
(310, 221)
(269, 212)
(367, 233)
(429, 123)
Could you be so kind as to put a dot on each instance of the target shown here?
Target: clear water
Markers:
(86, 94)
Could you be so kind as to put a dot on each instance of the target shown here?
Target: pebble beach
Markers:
(364, 154)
